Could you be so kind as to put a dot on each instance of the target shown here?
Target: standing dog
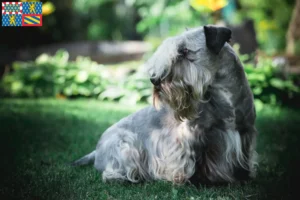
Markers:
(201, 126)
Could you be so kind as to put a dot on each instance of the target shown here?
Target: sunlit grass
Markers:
(39, 137)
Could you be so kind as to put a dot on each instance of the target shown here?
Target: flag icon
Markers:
(32, 8)
(22, 14)
(9, 8)
(31, 20)
(11, 20)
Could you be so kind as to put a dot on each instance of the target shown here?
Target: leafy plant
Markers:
(271, 22)
(135, 88)
(50, 76)
(56, 76)
(164, 18)
(268, 83)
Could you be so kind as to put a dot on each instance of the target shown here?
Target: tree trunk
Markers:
(294, 30)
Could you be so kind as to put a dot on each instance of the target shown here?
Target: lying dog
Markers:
(202, 124)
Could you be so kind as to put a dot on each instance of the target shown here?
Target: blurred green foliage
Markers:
(164, 18)
(81, 20)
(75, 20)
(271, 19)
(56, 76)
(148, 19)
(49, 76)
(268, 83)
(121, 20)
(135, 88)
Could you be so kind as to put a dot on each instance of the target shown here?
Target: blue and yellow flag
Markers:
(22, 14)
(32, 8)
(11, 20)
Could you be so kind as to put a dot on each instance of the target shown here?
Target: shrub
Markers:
(135, 88)
(268, 82)
(50, 76)
(56, 76)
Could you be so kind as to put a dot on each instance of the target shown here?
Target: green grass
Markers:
(39, 137)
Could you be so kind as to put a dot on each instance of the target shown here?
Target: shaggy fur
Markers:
(203, 125)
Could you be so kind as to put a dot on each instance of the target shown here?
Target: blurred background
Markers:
(96, 48)
(63, 84)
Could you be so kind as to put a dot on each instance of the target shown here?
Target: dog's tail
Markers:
(85, 160)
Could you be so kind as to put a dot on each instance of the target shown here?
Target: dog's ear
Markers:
(216, 37)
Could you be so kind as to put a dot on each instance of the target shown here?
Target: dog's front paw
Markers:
(179, 178)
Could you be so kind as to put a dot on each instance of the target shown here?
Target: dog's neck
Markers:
(215, 100)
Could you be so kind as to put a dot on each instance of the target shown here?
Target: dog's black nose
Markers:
(155, 82)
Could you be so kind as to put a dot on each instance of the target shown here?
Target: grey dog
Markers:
(201, 126)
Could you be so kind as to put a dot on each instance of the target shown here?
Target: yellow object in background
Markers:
(267, 25)
(48, 8)
(212, 5)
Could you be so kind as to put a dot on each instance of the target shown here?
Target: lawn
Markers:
(39, 138)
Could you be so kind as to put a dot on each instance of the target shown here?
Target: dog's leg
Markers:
(225, 156)
(124, 165)
(216, 157)
(120, 156)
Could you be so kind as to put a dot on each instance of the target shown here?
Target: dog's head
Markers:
(183, 67)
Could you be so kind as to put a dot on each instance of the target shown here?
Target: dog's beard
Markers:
(183, 89)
